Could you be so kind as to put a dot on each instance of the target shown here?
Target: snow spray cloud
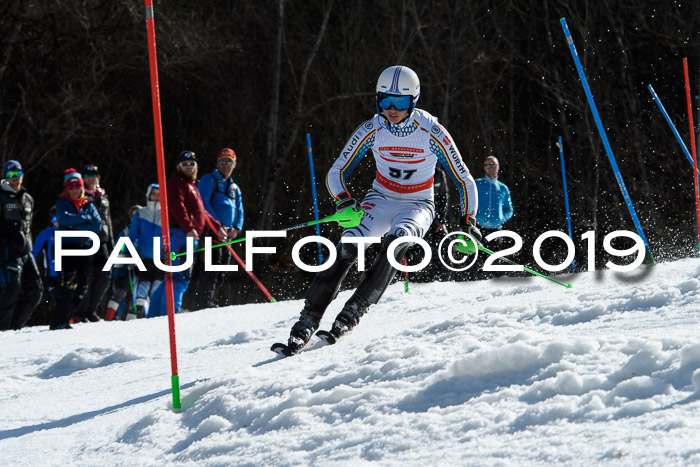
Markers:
(447, 251)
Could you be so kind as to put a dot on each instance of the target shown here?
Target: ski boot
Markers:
(346, 320)
(299, 336)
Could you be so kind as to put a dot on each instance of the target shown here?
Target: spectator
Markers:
(20, 283)
(73, 212)
(123, 282)
(100, 280)
(495, 209)
(221, 198)
(495, 206)
(44, 243)
(146, 225)
(187, 219)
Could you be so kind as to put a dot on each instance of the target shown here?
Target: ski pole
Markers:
(240, 261)
(347, 218)
(468, 248)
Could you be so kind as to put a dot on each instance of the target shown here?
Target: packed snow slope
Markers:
(500, 372)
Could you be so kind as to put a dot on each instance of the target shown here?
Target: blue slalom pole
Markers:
(560, 145)
(603, 135)
(313, 193)
(670, 123)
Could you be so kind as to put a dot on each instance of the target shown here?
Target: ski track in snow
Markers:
(502, 372)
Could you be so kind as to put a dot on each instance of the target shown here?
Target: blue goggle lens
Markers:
(387, 101)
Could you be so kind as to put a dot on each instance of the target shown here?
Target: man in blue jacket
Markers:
(495, 209)
(495, 205)
(222, 200)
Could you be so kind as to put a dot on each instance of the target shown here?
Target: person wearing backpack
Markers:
(222, 200)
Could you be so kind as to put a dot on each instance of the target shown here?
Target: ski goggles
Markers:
(187, 156)
(13, 174)
(400, 103)
(188, 164)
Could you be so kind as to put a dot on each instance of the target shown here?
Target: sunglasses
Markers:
(90, 176)
(53, 219)
(226, 162)
(13, 174)
(400, 103)
(74, 187)
(490, 166)
(188, 164)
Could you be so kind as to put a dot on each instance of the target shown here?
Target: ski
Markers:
(283, 350)
(327, 337)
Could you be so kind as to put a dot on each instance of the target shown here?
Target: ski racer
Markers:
(406, 143)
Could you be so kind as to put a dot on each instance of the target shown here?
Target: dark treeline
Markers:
(257, 75)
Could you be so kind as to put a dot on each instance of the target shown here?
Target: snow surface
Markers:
(501, 372)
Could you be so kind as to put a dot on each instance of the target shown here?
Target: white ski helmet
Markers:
(398, 81)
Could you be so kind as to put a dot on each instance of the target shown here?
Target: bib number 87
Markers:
(401, 174)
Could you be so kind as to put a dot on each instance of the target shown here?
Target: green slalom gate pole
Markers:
(347, 218)
(468, 249)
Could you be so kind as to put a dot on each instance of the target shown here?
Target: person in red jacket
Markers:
(187, 218)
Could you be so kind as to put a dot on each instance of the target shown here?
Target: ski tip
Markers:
(281, 349)
(327, 337)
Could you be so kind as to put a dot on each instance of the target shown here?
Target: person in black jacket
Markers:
(100, 281)
(20, 282)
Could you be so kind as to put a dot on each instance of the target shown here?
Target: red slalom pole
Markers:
(692, 147)
(160, 157)
(240, 261)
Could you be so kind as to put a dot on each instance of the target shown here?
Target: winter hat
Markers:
(226, 154)
(71, 177)
(186, 156)
(10, 165)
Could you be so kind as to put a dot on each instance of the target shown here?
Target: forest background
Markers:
(256, 76)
